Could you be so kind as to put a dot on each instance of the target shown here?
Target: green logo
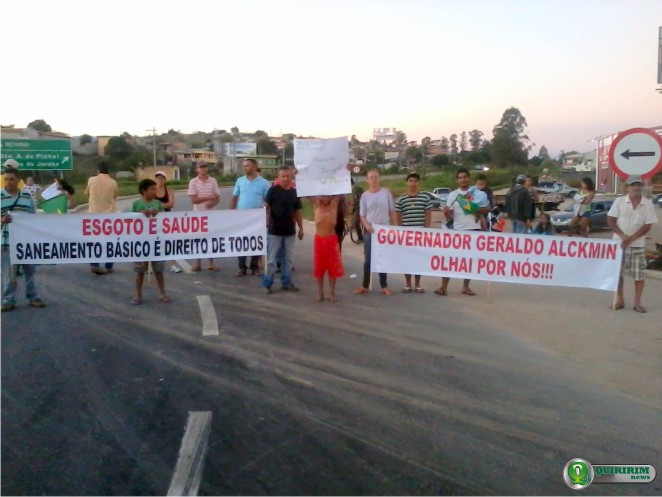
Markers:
(578, 474)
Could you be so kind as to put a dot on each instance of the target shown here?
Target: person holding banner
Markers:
(283, 211)
(15, 200)
(376, 208)
(102, 192)
(150, 207)
(326, 252)
(205, 195)
(465, 210)
(414, 208)
(631, 217)
(249, 193)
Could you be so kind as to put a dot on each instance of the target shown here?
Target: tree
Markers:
(543, 154)
(440, 160)
(486, 150)
(359, 153)
(172, 132)
(118, 148)
(535, 160)
(260, 134)
(227, 138)
(463, 141)
(288, 151)
(84, 139)
(475, 137)
(453, 141)
(510, 144)
(354, 141)
(445, 146)
(400, 139)
(425, 145)
(265, 146)
(413, 154)
(40, 125)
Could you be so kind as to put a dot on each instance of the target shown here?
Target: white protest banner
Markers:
(126, 237)
(500, 257)
(322, 166)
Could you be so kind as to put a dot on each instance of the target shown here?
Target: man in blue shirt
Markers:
(15, 200)
(249, 193)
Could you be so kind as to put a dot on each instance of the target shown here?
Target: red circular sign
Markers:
(636, 151)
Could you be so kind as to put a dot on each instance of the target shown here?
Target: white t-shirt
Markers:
(203, 189)
(630, 220)
(376, 207)
(462, 220)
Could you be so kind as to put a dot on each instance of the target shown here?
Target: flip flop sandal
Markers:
(617, 307)
(195, 269)
(406, 289)
(136, 301)
(468, 292)
(361, 290)
(441, 292)
(640, 309)
(419, 290)
(214, 268)
(165, 299)
(387, 291)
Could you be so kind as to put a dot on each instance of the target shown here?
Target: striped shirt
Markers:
(202, 189)
(413, 208)
(17, 203)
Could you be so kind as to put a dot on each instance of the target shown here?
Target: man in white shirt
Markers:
(462, 220)
(631, 217)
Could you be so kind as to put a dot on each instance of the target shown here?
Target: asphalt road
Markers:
(405, 395)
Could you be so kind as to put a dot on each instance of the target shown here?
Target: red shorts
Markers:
(327, 257)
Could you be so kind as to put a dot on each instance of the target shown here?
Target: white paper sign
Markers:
(126, 237)
(502, 257)
(322, 166)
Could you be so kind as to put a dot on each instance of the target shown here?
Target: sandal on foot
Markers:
(468, 292)
(617, 307)
(419, 290)
(195, 269)
(136, 301)
(640, 309)
(406, 289)
(214, 268)
(165, 299)
(440, 291)
(387, 291)
(361, 290)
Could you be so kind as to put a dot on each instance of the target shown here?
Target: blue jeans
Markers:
(519, 226)
(274, 243)
(367, 246)
(10, 280)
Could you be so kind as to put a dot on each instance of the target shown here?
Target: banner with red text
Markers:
(501, 257)
(126, 237)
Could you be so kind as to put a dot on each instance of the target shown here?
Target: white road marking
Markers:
(186, 267)
(188, 471)
(209, 321)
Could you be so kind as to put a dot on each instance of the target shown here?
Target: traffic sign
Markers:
(38, 154)
(356, 170)
(636, 151)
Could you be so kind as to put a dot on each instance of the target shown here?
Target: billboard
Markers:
(384, 134)
(233, 149)
(391, 155)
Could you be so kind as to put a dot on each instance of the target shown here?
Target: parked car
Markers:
(437, 202)
(657, 199)
(599, 209)
(442, 192)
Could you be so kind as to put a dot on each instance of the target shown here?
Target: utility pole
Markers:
(153, 130)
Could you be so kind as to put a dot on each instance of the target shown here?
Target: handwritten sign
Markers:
(322, 165)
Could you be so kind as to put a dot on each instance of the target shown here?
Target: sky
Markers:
(576, 69)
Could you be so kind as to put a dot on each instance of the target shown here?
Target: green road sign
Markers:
(38, 154)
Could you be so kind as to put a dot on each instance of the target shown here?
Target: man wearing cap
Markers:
(205, 195)
(519, 206)
(15, 200)
(102, 192)
(631, 217)
(249, 193)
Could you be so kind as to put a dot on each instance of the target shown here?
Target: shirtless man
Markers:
(326, 249)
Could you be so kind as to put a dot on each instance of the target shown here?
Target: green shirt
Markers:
(142, 205)
(22, 202)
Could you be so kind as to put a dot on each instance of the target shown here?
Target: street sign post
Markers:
(38, 155)
(636, 151)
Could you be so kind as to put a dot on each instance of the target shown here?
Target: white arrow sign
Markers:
(636, 151)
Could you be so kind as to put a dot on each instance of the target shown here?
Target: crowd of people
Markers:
(468, 207)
